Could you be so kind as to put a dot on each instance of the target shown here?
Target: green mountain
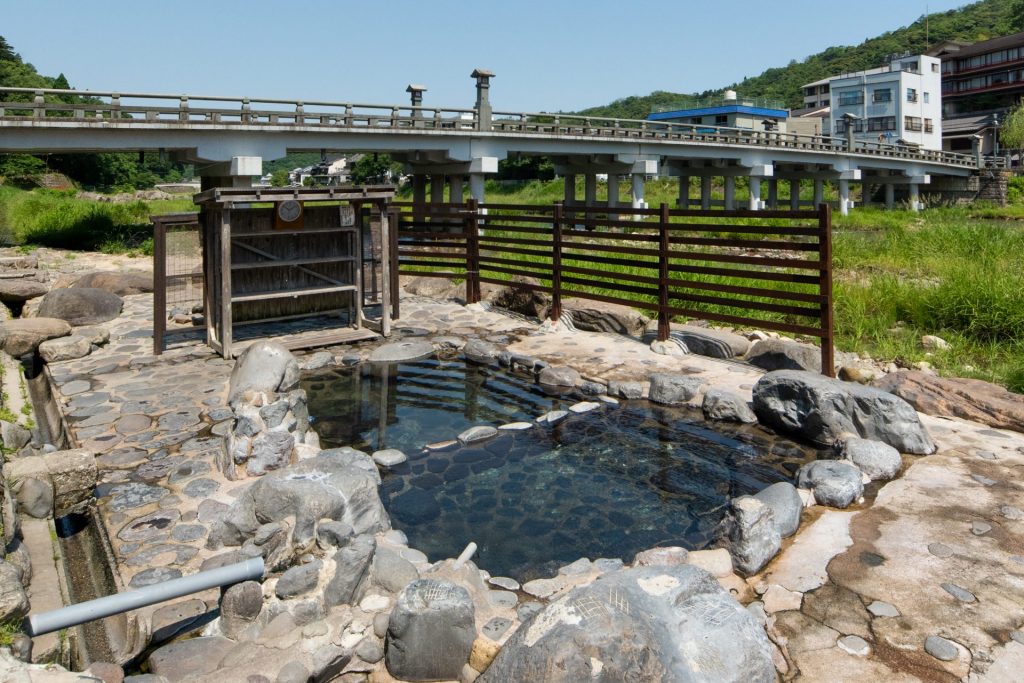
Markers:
(977, 21)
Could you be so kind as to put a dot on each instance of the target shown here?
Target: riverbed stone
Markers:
(192, 657)
(403, 351)
(823, 410)
(14, 436)
(391, 571)
(477, 434)
(656, 624)
(122, 283)
(271, 450)
(480, 351)
(968, 399)
(941, 648)
(352, 565)
(298, 580)
(625, 389)
(265, 367)
(879, 461)
(706, 341)
(35, 497)
(240, 605)
(598, 316)
(785, 503)
(389, 457)
(18, 290)
(670, 389)
(13, 599)
(783, 354)
(24, 335)
(81, 305)
(834, 483)
(754, 537)
(726, 406)
(64, 348)
(559, 376)
(430, 632)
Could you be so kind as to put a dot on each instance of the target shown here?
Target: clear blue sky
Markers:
(547, 55)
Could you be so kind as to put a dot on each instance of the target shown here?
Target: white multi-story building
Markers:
(900, 103)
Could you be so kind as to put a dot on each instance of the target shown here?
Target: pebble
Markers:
(940, 648)
(1011, 512)
(504, 582)
(1017, 636)
(985, 455)
(855, 645)
(374, 603)
(961, 594)
(496, 627)
(980, 528)
(883, 609)
(515, 426)
(584, 407)
(940, 550)
(984, 481)
(528, 609)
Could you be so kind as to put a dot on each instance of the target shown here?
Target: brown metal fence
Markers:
(767, 269)
(177, 271)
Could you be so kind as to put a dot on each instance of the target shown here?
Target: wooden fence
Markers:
(768, 270)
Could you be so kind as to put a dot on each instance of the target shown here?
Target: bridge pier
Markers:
(638, 182)
(437, 188)
(754, 183)
(890, 195)
(773, 194)
(844, 197)
(238, 172)
(730, 193)
(915, 197)
(455, 188)
(683, 202)
(476, 186)
(794, 194)
(705, 193)
(590, 189)
(819, 192)
(570, 188)
(613, 195)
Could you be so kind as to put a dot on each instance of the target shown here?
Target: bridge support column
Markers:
(915, 197)
(476, 187)
(238, 172)
(570, 188)
(705, 193)
(844, 197)
(794, 195)
(613, 195)
(890, 195)
(819, 193)
(590, 189)
(755, 193)
(773, 194)
(419, 188)
(683, 202)
(455, 188)
(437, 188)
(638, 180)
(730, 193)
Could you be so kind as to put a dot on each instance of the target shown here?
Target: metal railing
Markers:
(107, 108)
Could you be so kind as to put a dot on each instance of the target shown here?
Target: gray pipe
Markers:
(73, 615)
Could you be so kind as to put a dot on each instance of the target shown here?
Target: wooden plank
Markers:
(276, 233)
(284, 294)
(290, 263)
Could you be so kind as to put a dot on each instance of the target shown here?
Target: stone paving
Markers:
(952, 523)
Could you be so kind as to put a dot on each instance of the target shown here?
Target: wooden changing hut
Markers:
(277, 254)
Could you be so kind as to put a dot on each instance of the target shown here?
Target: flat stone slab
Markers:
(397, 352)
(803, 566)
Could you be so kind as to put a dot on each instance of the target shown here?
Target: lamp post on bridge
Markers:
(483, 102)
(416, 98)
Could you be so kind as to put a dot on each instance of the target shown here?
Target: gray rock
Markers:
(588, 388)
(270, 451)
(392, 571)
(480, 351)
(652, 624)
(961, 594)
(883, 609)
(35, 498)
(298, 580)
(293, 672)
(430, 632)
(753, 534)
(318, 360)
(940, 648)
(855, 645)
(14, 436)
(520, 296)
(352, 564)
(478, 433)
(782, 354)
(824, 410)
(979, 528)
(877, 460)
(81, 305)
(65, 348)
(240, 606)
(18, 290)
(122, 283)
(370, 650)
(405, 350)
(705, 341)
(668, 556)
(192, 657)
(24, 335)
(673, 390)
(389, 457)
(13, 599)
(727, 407)
(273, 414)
(627, 390)
(836, 484)
(597, 316)
(331, 534)
(785, 503)
(558, 376)
(264, 366)
(1011, 512)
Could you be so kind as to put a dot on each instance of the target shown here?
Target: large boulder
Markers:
(431, 632)
(834, 483)
(726, 406)
(263, 367)
(656, 624)
(18, 337)
(672, 390)
(121, 283)
(18, 290)
(65, 348)
(783, 354)
(754, 537)
(879, 461)
(520, 296)
(706, 341)
(13, 600)
(824, 410)
(80, 306)
(338, 484)
(598, 316)
(786, 505)
(432, 287)
(969, 399)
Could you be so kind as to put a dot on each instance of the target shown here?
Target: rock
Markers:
(169, 620)
(877, 460)
(558, 376)
(779, 599)
(670, 556)
(298, 580)
(940, 648)
(883, 609)
(65, 348)
(263, 367)
(35, 498)
(753, 534)
(597, 316)
(108, 672)
(433, 287)
(781, 354)
(123, 283)
(835, 483)
(14, 436)
(351, 567)
(673, 390)
(331, 534)
(669, 347)
(628, 390)
(13, 600)
(931, 342)
(293, 672)
(785, 503)
(270, 451)
(961, 594)
(24, 335)
(18, 290)
(403, 351)
(823, 410)
(192, 657)
(520, 296)
(705, 341)
(969, 399)
(389, 457)
(727, 407)
(391, 571)
(656, 624)
(853, 373)
(80, 306)
(854, 645)
(430, 632)
(240, 605)
(717, 561)
(480, 351)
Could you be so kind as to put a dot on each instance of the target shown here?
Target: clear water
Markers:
(603, 484)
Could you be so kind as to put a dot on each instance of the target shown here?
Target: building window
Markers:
(722, 120)
(909, 66)
(935, 67)
(858, 126)
(882, 95)
(697, 120)
(848, 98)
(929, 127)
(926, 97)
(881, 123)
(911, 95)
(912, 123)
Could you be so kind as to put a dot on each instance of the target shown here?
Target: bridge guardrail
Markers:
(109, 106)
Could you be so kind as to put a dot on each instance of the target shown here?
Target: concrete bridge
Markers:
(228, 137)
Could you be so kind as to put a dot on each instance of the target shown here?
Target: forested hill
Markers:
(974, 22)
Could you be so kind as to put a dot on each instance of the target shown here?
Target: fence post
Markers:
(395, 224)
(472, 230)
(556, 263)
(825, 286)
(159, 284)
(663, 247)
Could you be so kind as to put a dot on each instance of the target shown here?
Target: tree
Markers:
(1011, 134)
(374, 168)
(1016, 17)
(279, 178)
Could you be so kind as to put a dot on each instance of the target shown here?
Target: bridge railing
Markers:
(129, 107)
